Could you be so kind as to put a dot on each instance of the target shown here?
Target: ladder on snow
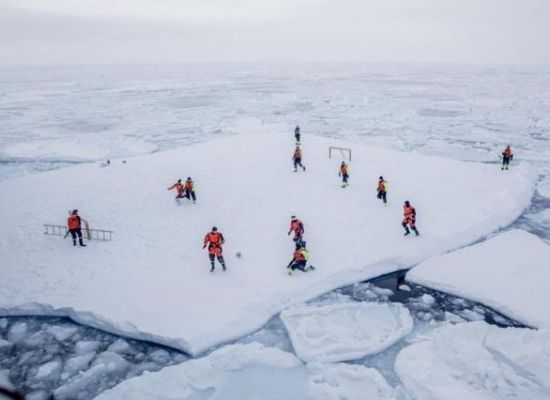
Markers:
(92, 234)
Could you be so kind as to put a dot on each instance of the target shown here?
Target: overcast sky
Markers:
(148, 31)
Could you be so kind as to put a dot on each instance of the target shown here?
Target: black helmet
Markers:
(214, 229)
(407, 203)
(381, 177)
(293, 217)
(179, 180)
(75, 211)
(188, 178)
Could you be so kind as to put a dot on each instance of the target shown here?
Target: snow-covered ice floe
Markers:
(509, 273)
(253, 371)
(153, 282)
(477, 361)
(345, 331)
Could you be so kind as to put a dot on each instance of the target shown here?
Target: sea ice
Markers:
(477, 361)
(509, 272)
(153, 282)
(253, 371)
(345, 331)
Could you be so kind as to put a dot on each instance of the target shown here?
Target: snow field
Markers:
(477, 361)
(152, 281)
(508, 272)
(345, 331)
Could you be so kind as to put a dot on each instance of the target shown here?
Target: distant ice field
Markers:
(52, 117)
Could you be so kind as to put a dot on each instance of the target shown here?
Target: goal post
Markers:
(344, 152)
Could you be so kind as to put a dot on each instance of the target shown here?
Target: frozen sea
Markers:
(55, 117)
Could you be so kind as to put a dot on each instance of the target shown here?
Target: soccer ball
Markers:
(238, 254)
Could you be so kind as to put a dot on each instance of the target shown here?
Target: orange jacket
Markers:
(178, 186)
(73, 222)
(344, 169)
(189, 185)
(296, 226)
(409, 211)
(507, 153)
(297, 153)
(214, 239)
(381, 186)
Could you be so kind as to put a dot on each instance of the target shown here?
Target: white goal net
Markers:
(340, 152)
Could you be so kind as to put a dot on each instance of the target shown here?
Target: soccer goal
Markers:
(343, 152)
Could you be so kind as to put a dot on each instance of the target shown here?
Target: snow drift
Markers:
(509, 273)
(152, 281)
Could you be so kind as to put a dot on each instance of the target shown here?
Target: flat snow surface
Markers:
(346, 331)
(253, 371)
(509, 273)
(477, 361)
(153, 281)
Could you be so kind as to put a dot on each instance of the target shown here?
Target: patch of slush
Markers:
(157, 242)
(508, 272)
(253, 371)
(44, 357)
(345, 331)
(477, 361)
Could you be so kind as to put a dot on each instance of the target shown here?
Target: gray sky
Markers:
(143, 31)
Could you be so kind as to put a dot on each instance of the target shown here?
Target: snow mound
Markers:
(345, 331)
(152, 281)
(253, 371)
(509, 273)
(477, 361)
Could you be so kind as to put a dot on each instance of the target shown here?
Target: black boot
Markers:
(212, 269)
(407, 232)
(223, 266)
(81, 243)
(74, 242)
(416, 231)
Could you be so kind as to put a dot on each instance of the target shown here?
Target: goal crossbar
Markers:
(341, 150)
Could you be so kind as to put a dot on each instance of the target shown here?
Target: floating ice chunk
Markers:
(99, 377)
(17, 332)
(5, 381)
(38, 395)
(3, 323)
(76, 364)
(61, 333)
(5, 345)
(405, 287)
(253, 371)
(49, 371)
(238, 371)
(86, 346)
(160, 356)
(120, 346)
(509, 273)
(477, 361)
(345, 381)
(428, 299)
(345, 331)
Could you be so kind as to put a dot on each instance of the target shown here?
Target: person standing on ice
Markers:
(188, 191)
(74, 224)
(214, 240)
(344, 173)
(179, 189)
(409, 219)
(507, 156)
(297, 227)
(297, 158)
(382, 190)
(297, 134)
(299, 260)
